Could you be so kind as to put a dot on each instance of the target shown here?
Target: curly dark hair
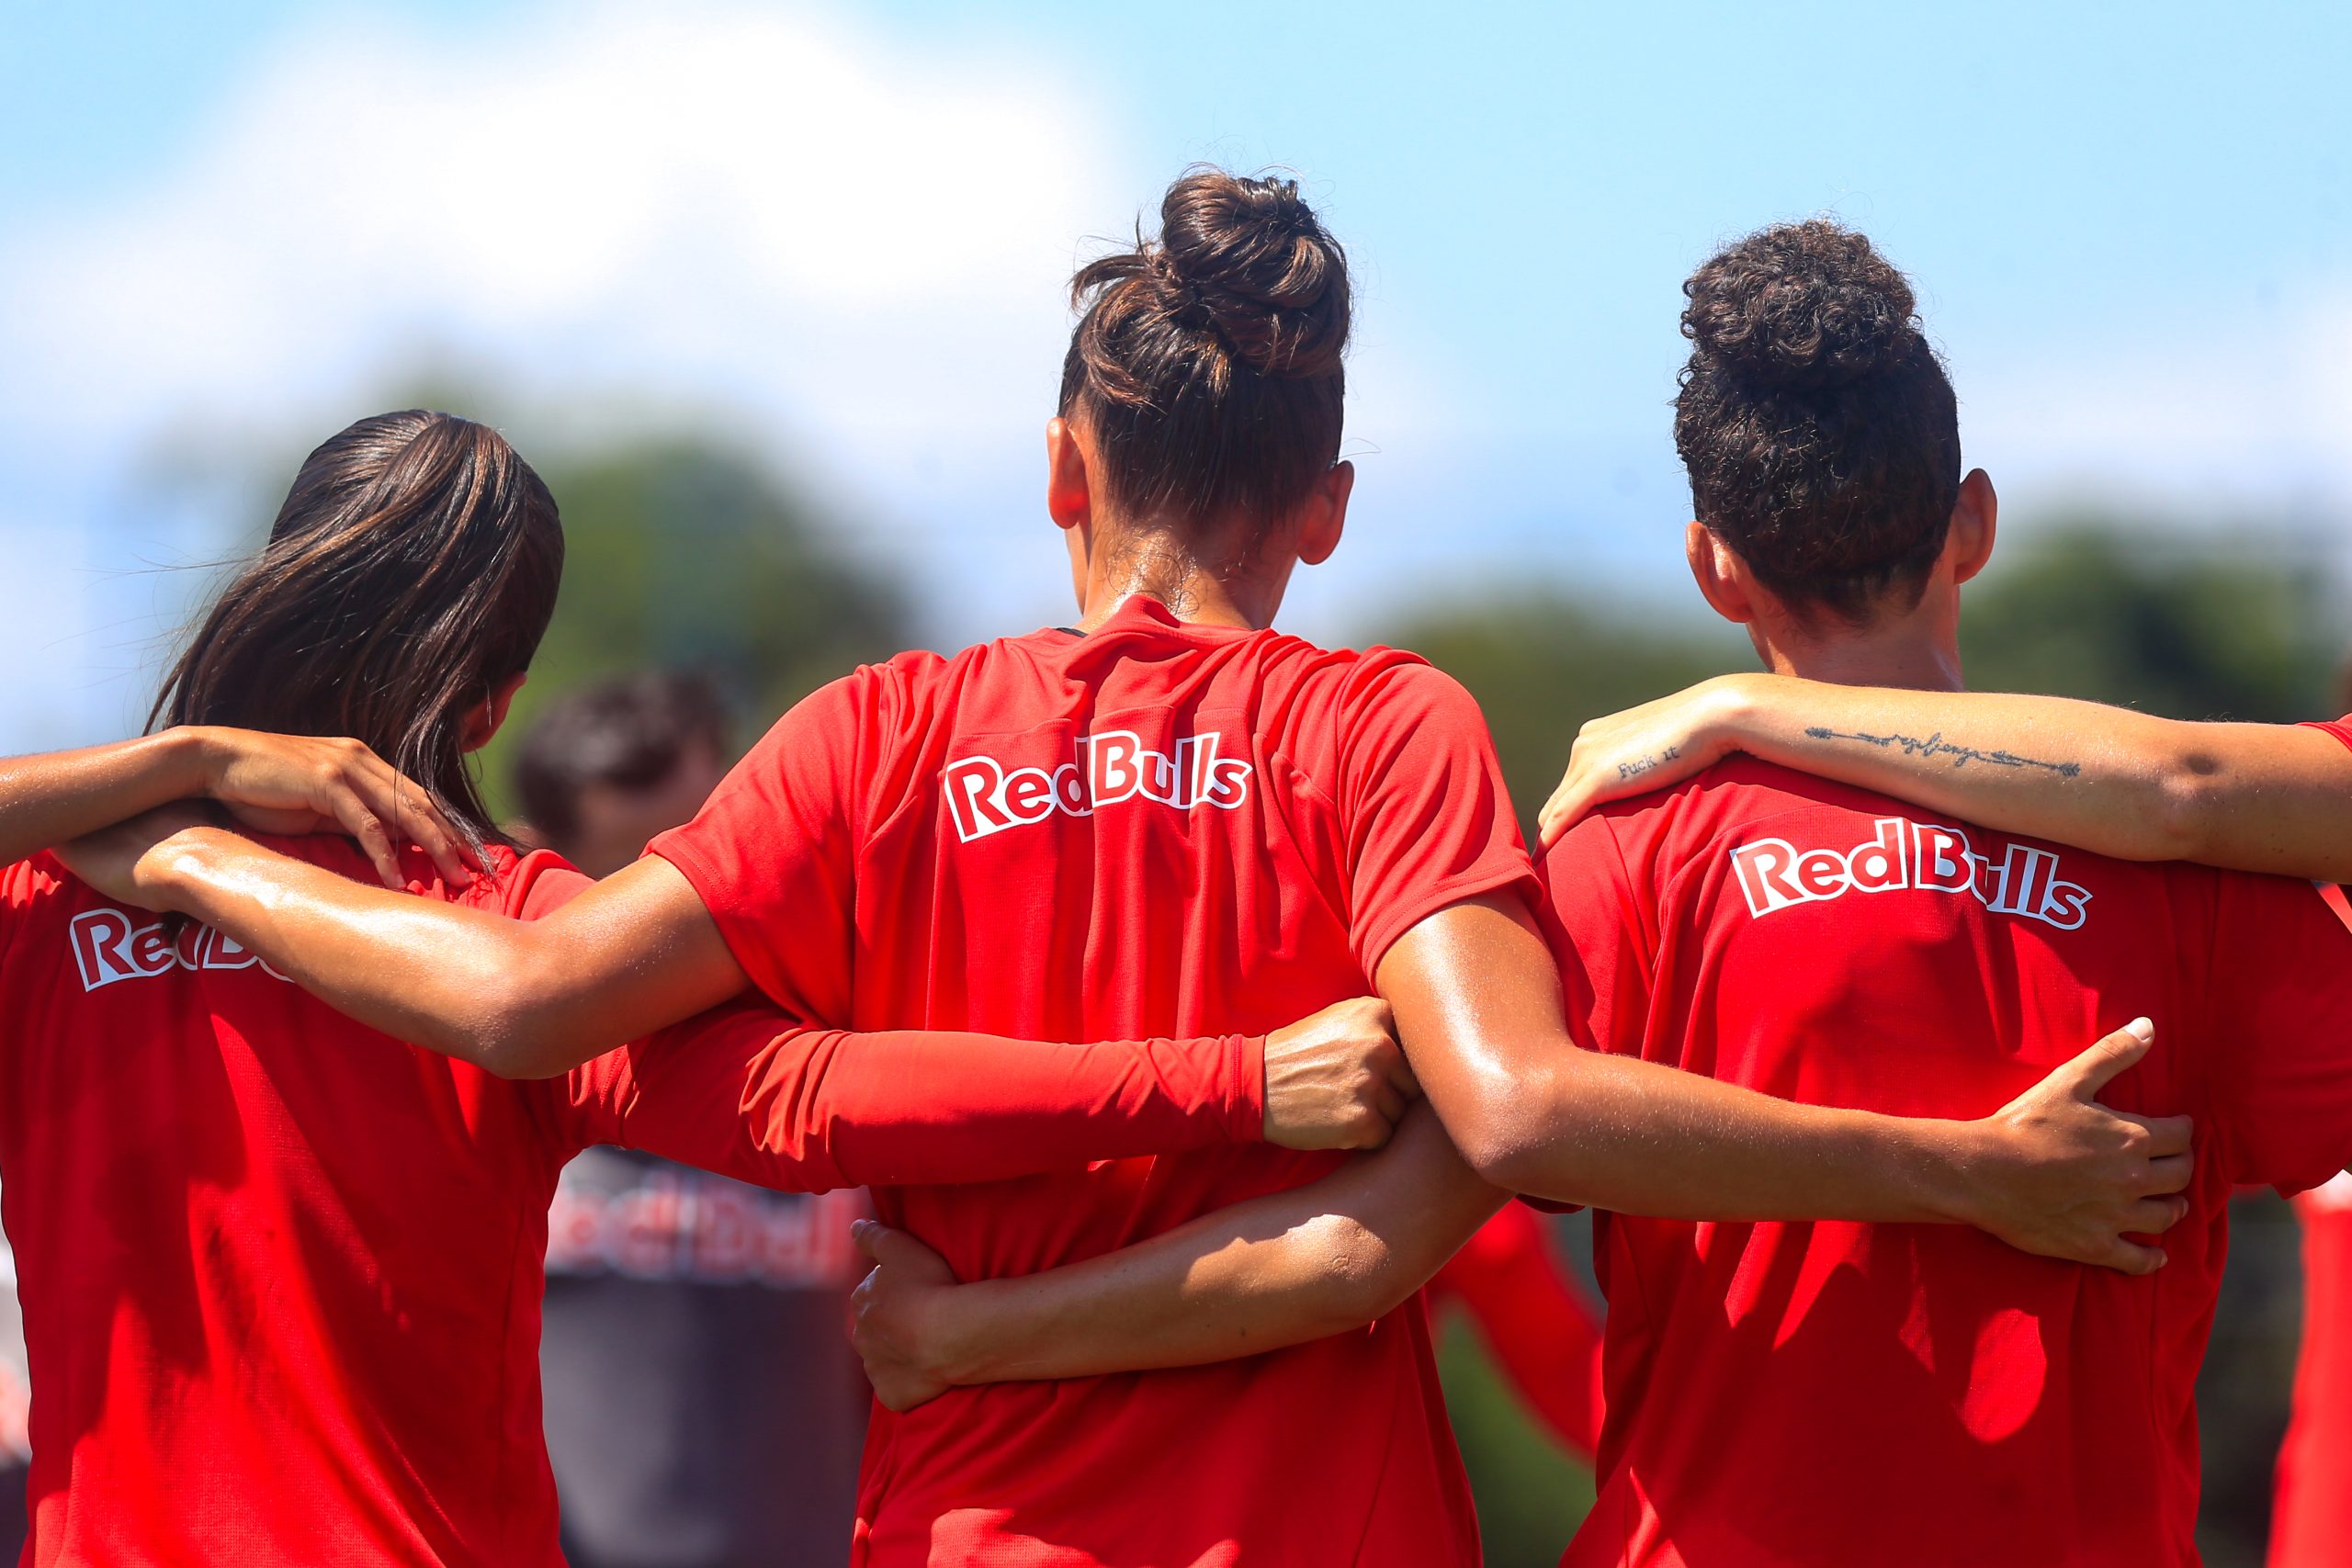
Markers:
(1208, 363)
(1817, 424)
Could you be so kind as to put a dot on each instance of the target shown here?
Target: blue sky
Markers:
(838, 232)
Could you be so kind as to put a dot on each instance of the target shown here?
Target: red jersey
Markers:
(1063, 834)
(281, 1274)
(2311, 1517)
(1543, 1333)
(1848, 1394)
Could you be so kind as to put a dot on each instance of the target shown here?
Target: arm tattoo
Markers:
(1937, 746)
(1635, 770)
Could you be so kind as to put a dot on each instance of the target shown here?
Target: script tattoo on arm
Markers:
(1635, 770)
(1937, 746)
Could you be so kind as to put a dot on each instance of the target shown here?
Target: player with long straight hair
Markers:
(281, 1274)
(1171, 812)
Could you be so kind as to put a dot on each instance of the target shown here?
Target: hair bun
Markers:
(1249, 258)
(1803, 305)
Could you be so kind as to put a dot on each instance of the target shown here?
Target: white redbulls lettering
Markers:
(1775, 875)
(985, 796)
(108, 947)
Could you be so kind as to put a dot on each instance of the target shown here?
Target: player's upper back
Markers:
(1925, 1382)
(1151, 803)
(1838, 944)
(259, 1244)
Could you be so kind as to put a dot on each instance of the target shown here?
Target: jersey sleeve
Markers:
(1428, 820)
(18, 885)
(2277, 1062)
(1595, 920)
(745, 1092)
(772, 852)
(2341, 729)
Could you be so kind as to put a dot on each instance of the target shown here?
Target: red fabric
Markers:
(1809, 1393)
(1138, 830)
(281, 1274)
(1543, 1333)
(2341, 729)
(2311, 1519)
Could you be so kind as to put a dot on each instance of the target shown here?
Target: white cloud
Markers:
(2251, 412)
(709, 198)
(854, 253)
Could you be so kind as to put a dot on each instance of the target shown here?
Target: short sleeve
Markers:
(2341, 729)
(20, 885)
(773, 852)
(1593, 916)
(1427, 821)
(2278, 1034)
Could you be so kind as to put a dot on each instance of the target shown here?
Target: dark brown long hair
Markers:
(1208, 363)
(411, 573)
(1817, 424)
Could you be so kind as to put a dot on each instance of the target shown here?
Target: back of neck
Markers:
(1904, 651)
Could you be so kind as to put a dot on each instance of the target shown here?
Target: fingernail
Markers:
(2141, 1029)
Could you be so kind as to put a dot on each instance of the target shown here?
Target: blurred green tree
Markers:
(2231, 625)
(686, 553)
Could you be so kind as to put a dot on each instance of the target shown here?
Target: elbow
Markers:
(1507, 1137)
(2188, 789)
(508, 1034)
(1359, 1277)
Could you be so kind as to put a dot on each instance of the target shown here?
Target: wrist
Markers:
(171, 876)
(952, 1329)
(193, 754)
(1947, 1164)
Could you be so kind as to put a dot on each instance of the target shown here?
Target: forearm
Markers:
(2251, 796)
(1279, 1271)
(47, 799)
(1639, 1138)
(453, 980)
(813, 1108)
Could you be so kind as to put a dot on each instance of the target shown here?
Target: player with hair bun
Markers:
(1165, 814)
(1831, 1392)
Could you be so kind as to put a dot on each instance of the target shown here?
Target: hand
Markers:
(890, 1315)
(2065, 1177)
(1336, 1079)
(1633, 753)
(297, 783)
(123, 863)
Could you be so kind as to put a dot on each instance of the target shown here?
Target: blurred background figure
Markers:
(16, 1396)
(703, 1407)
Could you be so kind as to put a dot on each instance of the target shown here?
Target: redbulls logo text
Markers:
(109, 947)
(985, 796)
(1775, 875)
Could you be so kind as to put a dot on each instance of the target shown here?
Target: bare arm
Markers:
(275, 783)
(2249, 797)
(1317, 1260)
(523, 998)
(1478, 1004)
(1476, 1001)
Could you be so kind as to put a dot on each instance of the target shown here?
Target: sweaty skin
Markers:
(2260, 797)
(1476, 1001)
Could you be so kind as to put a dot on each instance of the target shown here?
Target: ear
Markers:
(1324, 517)
(1974, 520)
(1722, 578)
(483, 719)
(1070, 493)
